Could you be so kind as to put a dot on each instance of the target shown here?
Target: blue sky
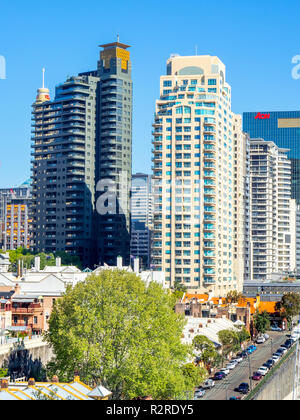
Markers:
(255, 39)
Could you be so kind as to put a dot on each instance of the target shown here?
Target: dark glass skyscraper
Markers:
(80, 138)
(63, 169)
(114, 149)
(283, 128)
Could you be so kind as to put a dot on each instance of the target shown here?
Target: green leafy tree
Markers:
(230, 341)
(290, 306)
(116, 331)
(233, 297)
(262, 321)
(180, 287)
(195, 375)
(207, 350)
(27, 257)
(243, 335)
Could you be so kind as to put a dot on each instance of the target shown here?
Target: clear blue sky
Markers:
(255, 39)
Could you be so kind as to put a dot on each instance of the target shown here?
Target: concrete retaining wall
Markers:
(280, 385)
(37, 348)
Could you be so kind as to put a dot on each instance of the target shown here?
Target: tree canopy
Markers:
(261, 321)
(232, 340)
(207, 350)
(116, 331)
(27, 257)
(233, 296)
(290, 304)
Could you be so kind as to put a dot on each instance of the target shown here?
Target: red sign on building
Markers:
(261, 116)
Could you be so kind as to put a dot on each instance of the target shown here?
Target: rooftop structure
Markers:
(31, 390)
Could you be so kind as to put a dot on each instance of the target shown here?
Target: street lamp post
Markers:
(250, 371)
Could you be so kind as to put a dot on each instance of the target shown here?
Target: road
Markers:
(225, 389)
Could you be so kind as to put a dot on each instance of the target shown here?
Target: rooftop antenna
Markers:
(43, 78)
(118, 38)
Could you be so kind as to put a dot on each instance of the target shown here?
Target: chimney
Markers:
(119, 262)
(17, 289)
(76, 376)
(4, 384)
(19, 273)
(31, 382)
(136, 265)
(55, 379)
(37, 263)
(58, 262)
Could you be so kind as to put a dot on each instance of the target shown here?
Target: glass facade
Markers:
(283, 128)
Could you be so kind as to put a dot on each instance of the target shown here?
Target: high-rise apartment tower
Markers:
(198, 234)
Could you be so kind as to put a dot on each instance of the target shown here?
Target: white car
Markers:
(208, 384)
(231, 365)
(275, 358)
(199, 393)
(225, 370)
(295, 337)
(260, 340)
(266, 336)
(263, 370)
(283, 349)
(237, 359)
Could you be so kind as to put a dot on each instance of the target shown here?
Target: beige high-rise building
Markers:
(200, 178)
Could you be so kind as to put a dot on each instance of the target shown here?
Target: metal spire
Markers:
(43, 78)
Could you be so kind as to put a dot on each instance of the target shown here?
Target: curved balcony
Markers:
(209, 174)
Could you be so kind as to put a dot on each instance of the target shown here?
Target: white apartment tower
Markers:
(297, 234)
(271, 210)
(242, 214)
(194, 171)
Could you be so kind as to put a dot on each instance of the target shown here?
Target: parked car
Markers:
(208, 384)
(270, 363)
(266, 336)
(278, 354)
(277, 329)
(231, 365)
(238, 359)
(288, 344)
(235, 398)
(257, 376)
(199, 393)
(283, 350)
(225, 370)
(243, 354)
(260, 340)
(263, 370)
(251, 348)
(275, 358)
(243, 388)
(294, 337)
(219, 376)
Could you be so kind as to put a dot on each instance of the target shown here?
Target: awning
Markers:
(18, 329)
(22, 300)
(239, 323)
